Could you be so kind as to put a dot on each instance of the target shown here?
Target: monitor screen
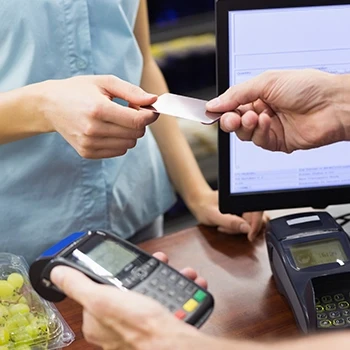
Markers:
(285, 38)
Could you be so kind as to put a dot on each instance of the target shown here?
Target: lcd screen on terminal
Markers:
(318, 253)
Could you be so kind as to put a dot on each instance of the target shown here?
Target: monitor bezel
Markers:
(267, 200)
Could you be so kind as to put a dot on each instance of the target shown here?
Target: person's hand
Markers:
(124, 320)
(205, 208)
(284, 110)
(82, 111)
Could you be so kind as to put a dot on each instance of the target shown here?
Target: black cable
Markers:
(342, 220)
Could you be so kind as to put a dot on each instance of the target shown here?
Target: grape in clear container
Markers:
(27, 321)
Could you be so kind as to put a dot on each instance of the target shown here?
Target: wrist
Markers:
(196, 196)
(341, 101)
(37, 104)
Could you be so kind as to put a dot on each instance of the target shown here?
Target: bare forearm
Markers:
(19, 116)
(177, 154)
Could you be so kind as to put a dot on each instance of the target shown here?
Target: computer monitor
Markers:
(255, 36)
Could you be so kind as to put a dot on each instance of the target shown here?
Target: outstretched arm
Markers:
(288, 110)
(81, 110)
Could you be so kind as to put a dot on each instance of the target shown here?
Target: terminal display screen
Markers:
(111, 256)
(318, 253)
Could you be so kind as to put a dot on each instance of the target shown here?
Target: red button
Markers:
(180, 314)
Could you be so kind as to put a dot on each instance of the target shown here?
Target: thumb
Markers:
(232, 224)
(73, 283)
(241, 94)
(122, 89)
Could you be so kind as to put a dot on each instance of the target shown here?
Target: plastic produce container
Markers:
(26, 320)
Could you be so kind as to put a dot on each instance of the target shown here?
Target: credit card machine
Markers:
(309, 255)
(108, 259)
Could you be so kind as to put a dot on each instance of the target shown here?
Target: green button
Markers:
(200, 295)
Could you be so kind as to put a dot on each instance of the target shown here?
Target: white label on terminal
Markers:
(303, 220)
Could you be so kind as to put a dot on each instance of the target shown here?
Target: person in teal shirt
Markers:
(68, 153)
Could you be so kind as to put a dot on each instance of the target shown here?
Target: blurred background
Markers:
(183, 44)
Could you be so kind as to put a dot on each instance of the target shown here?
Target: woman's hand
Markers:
(206, 210)
(82, 111)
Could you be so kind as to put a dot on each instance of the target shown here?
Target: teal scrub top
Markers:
(47, 190)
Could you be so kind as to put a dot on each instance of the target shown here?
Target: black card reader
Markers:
(109, 259)
(309, 255)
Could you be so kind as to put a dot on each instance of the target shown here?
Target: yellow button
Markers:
(190, 305)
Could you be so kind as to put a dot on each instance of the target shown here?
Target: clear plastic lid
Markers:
(27, 321)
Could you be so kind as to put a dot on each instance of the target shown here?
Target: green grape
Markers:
(6, 289)
(30, 317)
(4, 335)
(16, 321)
(4, 312)
(2, 322)
(16, 280)
(32, 331)
(20, 327)
(19, 309)
(22, 347)
(23, 300)
(21, 336)
(39, 323)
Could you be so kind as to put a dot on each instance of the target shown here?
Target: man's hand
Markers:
(285, 110)
(125, 320)
(82, 111)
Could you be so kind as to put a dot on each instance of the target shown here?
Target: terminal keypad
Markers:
(333, 310)
(175, 292)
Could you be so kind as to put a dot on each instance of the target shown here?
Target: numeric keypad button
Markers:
(326, 299)
(181, 298)
(330, 307)
(339, 297)
(162, 287)
(346, 313)
(319, 308)
(165, 271)
(343, 305)
(322, 316)
(191, 288)
(173, 277)
(171, 293)
(339, 322)
(182, 283)
(334, 314)
(325, 323)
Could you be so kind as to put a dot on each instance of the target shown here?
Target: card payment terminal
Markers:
(108, 259)
(309, 255)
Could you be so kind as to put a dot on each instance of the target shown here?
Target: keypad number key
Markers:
(334, 314)
(319, 308)
(343, 305)
(322, 316)
(346, 313)
(339, 297)
(326, 299)
(338, 322)
(330, 307)
(325, 323)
